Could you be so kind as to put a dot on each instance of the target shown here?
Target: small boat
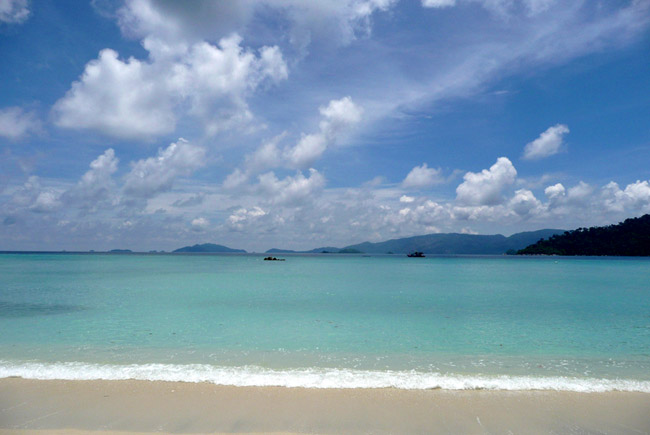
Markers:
(416, 254)
(273, 259)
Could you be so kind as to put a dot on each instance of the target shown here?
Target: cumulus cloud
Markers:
(124, 99)
(200, 224)
(547, 144)
(97, 182)
(266, 156)
(337, 119)
(422, 177)
(46, 202)
(426, 215)
(524, 202)
(217, 80)
(339, 21)
(487, 187)
(580, 193)
(34, 197)
(151, 176)
(635, 196)
(307, 150)
(141, 99)
(555, 191)
(15, 123)
(290, 190)
(14, 11)
(242, 217)
(235, 179)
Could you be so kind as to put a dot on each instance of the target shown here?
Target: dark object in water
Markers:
(416, 254)
(273, 259)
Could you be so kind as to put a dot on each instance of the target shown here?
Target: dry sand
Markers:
(58, 407)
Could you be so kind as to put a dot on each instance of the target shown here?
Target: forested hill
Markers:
(455, 244)
(629, 238)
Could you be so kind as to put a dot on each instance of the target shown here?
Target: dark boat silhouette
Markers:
(416, 254)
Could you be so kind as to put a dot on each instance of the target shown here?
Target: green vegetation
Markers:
(628, 238)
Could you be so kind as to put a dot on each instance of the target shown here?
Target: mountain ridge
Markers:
(208, 248)
(628, 238)
(441, 244)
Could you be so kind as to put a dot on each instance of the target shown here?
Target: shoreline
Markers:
(314, 377)
(131, 406)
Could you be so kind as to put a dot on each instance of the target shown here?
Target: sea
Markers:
(329, 320)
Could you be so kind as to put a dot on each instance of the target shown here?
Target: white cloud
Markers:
(638, 193)
(117, 98)
(635, 196)
(235, 179)
(141, 99)
(547, 144)
(426, 214)
(151, 176)
(487, 187)
(96, 183)
(524, 202)
(438, 3)
(217, 80)
(34, 197)
(46, 202)
(242, 216)
(307, 150)
(200, 224)
(580, 193)
(290, 190)
(555, 191)
(338, 21)
(15, 123)
(406, 199)
(14, 11)
(338, 118)
(502, 7)
(266, 156)
(422, 177)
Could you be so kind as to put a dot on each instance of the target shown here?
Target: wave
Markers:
(254, 376)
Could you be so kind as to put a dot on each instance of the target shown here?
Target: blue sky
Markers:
(152, 124)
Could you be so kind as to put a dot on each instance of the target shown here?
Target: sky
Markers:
(257, 124)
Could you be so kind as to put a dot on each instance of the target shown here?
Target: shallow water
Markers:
(329, 320)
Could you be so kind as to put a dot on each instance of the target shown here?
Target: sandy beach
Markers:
(36, 406)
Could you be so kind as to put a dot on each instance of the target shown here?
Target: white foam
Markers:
(311, 377)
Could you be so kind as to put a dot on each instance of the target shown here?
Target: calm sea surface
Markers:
(578, 324)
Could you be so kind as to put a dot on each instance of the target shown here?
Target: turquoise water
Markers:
(450, 322)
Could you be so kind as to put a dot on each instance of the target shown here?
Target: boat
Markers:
(416, 254)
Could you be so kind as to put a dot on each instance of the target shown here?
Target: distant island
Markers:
(120, 251)
(323, 250)
(439, 244)
(208, 247)
(628, 238)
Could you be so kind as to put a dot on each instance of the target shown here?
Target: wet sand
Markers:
(31, 406)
